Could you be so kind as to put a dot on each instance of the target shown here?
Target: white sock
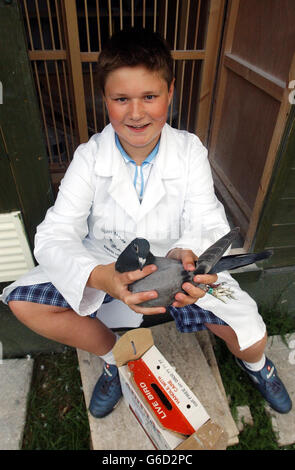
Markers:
(256, 366)
(109, 356)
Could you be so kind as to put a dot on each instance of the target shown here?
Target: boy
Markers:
(139, 177)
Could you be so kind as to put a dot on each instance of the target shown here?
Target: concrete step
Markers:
(282, 353)
(120, 430)
(15, 381)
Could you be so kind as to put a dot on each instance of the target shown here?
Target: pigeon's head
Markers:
(140, 248)
(134, 256)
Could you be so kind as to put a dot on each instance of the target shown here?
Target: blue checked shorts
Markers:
(187, 319)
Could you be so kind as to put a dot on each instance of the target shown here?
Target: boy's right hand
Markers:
(106, 278)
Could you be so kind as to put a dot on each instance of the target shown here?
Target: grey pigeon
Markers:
(170, 275)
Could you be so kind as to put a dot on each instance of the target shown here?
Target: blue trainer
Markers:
(107, 392)
(270, 386)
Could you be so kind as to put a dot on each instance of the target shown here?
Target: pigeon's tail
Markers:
(230, 262)
(212, 255)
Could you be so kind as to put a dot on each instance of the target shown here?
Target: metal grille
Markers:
(47, 51)
(65, 37)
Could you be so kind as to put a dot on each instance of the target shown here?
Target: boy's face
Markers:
(137, 100)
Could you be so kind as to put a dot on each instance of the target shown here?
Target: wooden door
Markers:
(251, 104)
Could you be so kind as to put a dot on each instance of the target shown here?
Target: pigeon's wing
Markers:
(227, 263)
(212, 255)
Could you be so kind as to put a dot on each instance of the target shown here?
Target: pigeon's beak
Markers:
(141, 262)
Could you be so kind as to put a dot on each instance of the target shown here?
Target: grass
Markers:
(260, 436)
(57, 417)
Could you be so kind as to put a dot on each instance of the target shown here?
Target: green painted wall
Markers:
(276, 229)
(24, 177)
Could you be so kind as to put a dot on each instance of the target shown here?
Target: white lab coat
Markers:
(97, 213)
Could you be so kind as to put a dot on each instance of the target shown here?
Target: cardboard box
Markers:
(168, 411)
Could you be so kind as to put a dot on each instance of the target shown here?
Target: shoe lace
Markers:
(108, 384)
(274, 385)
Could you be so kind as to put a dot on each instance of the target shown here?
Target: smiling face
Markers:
(137, 100)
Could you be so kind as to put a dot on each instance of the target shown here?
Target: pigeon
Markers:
(170, 275)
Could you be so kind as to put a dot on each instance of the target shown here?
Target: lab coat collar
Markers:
(108, 157)
(109, 163)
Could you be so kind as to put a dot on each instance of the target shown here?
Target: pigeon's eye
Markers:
(136, 248)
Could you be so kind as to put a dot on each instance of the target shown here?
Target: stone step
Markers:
(120, 430)
(282, 353)
(15, 381)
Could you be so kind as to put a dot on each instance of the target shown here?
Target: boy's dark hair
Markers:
(132, 47)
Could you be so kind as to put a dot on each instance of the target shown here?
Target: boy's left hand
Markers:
(188, 258)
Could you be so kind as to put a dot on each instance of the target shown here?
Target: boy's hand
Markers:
(106, 278)
(194, 293)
